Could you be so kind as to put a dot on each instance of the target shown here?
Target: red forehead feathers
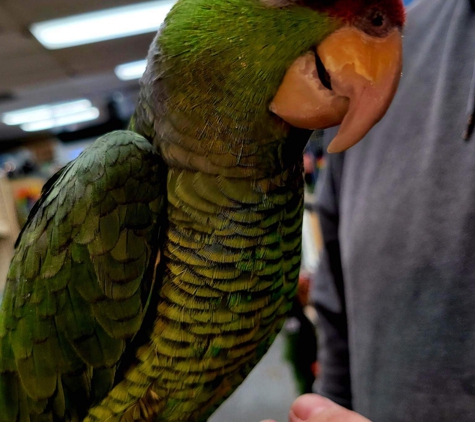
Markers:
(351, 9)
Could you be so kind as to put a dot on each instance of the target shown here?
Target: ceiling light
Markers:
(107, 24)
(44, 112)
(83, 116)
(129, 71)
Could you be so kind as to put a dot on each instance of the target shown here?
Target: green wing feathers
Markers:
(80, 280)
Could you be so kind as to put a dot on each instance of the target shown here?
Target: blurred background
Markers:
(69, 73)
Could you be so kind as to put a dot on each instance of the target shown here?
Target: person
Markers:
(395, 290)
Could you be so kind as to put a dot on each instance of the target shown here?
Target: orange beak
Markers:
(362, 75)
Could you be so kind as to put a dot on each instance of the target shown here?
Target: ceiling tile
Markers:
(14, 44)
(29, 69)
(7, 22)
(104, 56)
(31, 11)
(35, 75)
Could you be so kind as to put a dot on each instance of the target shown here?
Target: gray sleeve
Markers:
(328, 292)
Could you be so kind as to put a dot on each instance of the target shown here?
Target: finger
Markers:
(306, 405)
(313, 408)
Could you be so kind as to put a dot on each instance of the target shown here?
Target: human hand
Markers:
(314, 408)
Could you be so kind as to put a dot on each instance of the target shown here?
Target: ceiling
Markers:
(32, 75)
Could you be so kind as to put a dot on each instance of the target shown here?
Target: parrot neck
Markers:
(209, 129)
(201, 140)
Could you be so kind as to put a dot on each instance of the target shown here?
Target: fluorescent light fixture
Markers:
(83, 116)
(129, 71)
(104, 25)
(45, 112)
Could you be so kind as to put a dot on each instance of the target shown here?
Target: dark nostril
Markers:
(322, 73)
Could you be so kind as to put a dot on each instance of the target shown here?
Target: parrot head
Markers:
(253, 68)
(350, 78)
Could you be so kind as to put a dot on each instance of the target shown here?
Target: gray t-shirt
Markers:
(400, 208)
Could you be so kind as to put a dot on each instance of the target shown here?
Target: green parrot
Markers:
(157, 268)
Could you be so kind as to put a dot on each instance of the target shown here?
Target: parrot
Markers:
(158, 267)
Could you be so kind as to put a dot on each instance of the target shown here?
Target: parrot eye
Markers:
(378, 19)
(375, 23)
